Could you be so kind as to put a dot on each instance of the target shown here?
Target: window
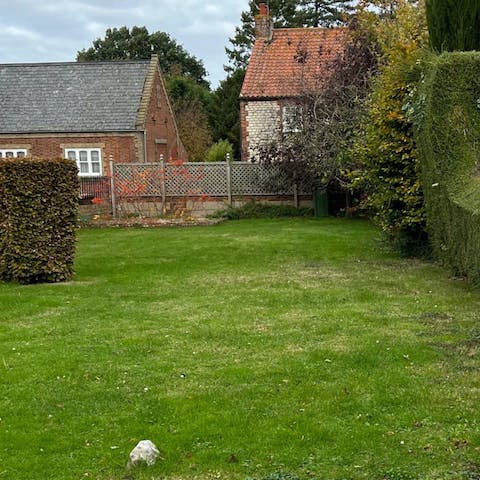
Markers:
(13, 153)
(88, 160)
(291, 118)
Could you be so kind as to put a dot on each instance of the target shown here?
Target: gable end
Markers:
(147, 93)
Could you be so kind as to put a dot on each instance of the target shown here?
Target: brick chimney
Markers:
(263, 23)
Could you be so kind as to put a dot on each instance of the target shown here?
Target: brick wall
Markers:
(123, 148)
(160, 138)
(161, 130)
(261, 124)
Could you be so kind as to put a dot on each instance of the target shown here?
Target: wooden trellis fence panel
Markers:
(256, 179)
(138, 179)
(194, 179)
(220, 179)
(134, 181)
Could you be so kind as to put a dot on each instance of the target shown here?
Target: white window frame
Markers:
(291, 118)
(15, 152)
(85, 158)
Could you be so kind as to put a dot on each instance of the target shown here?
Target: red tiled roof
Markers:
(296, 60)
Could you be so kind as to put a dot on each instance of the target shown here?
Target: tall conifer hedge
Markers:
(454, 25)
(448, 139)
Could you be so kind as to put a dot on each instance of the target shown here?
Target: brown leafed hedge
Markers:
(38, 214)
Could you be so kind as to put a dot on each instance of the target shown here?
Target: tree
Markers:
(191, 104)
(285, 13)
(454, 24)
(323, 13)
(384, 9)
(184, 88)
(225, 113)
(138, 44)
(185, 79)
(385, 147)
(311, 155)
(192, 121)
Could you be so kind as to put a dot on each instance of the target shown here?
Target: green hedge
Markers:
(38, 211)
(252, 209)
(448, 138)
(453, 25)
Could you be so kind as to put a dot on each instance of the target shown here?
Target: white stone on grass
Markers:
(144, 452)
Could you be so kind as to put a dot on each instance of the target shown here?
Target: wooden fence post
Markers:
(163, 187)
(229, 178)
(295, 195)
(112, 188)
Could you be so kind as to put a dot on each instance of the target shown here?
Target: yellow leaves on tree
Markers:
(388, 165)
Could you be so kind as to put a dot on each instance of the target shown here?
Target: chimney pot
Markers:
(263, 23)
(263, 9)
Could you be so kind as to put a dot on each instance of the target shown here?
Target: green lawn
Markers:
(244, 349)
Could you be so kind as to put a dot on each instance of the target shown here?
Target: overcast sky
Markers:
(54, 30)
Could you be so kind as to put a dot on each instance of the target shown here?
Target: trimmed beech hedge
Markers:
(448, 138)
(38, 215)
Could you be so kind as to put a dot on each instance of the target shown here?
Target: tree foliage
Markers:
(218, 152)
(193, 128)
(184, 88)
(138, 44)
(385, 148)
(384, 9)
(187, 87)
(225, 112)
(312, 154)
(191, 104)
(284, 13)
(454, 24)
(322, 13)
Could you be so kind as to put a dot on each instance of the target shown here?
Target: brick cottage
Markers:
(88, 112)
(286, 64)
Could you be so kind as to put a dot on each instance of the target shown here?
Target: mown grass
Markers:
(244, 349)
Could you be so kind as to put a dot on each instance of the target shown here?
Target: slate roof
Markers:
(296, 60)
(71, 97)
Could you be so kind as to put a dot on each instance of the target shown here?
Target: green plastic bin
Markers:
(320, 203)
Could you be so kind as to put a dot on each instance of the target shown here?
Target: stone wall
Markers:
(262, 125)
